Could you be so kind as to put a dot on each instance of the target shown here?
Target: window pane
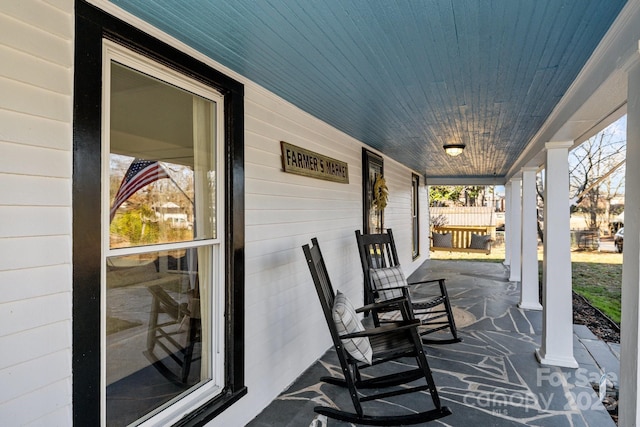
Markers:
(162, 159)
(162, 190)
(157, 312)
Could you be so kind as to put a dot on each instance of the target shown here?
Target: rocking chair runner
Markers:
(383, 279)
(360, 348)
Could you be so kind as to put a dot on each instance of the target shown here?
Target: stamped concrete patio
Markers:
(492, 378)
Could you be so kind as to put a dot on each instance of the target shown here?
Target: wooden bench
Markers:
(461, 238)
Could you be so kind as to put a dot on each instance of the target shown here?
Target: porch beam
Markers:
(516, 229)
(529, 293)
(557, 317)
(630, 331)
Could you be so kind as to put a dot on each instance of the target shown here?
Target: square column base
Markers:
(563, 362)
(530, 306)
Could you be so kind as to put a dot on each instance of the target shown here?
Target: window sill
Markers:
(211, 409)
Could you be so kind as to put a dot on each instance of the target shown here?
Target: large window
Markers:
(162, 318)
(158, 206)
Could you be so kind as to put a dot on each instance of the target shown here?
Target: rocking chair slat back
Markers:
(379, 251)
(320, 277)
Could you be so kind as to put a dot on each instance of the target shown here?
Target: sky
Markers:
(617, 128)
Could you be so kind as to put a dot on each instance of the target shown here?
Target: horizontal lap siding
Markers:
(397, 215)
(285, 328)
(36, 80)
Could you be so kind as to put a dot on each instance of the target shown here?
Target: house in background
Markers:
(173, 213)
(239, 95)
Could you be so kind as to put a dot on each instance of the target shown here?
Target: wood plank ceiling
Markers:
(404, 76)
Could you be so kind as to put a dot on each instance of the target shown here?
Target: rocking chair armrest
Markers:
(382, 304)
(386, 329)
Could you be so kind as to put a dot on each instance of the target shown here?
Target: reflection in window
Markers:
(155, 330)
(150, 205)
(160, 319)
(161, 156)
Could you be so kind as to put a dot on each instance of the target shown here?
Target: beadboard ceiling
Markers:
(404, 76)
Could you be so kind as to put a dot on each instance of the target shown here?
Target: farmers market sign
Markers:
(304, 162)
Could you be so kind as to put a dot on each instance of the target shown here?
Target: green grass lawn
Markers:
(596, 276)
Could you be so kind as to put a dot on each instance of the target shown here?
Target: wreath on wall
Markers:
(380, 193)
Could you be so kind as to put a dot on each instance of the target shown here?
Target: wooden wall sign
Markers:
(304, 162)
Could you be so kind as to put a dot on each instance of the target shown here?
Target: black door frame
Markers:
(369, 160)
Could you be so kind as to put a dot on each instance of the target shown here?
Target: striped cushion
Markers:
(384, 278)
(347, 322)
(441, 240)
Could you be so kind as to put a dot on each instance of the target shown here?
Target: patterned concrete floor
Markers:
(492, 378)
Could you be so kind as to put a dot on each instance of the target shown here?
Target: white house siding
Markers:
(284, 324)
(397, 215)
(36, 81)
(285, 328)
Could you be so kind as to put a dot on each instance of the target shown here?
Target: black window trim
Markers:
(415, 224)
(92, 25)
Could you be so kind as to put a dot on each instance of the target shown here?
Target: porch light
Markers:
(453, 149)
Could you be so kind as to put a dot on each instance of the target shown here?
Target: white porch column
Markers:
(557, 318)
(516, 229)
(507, 223)
(630, 332)
(529, 296)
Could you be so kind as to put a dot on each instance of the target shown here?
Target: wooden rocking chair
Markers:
(359, 348)
(384, 279)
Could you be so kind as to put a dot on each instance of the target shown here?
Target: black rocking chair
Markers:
(378, 251)
(387, 343)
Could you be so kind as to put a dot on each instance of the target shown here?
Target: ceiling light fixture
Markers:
(453, 149)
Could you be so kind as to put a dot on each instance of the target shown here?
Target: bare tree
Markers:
(596, 176)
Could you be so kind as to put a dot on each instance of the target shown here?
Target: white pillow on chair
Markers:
(347, 322)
